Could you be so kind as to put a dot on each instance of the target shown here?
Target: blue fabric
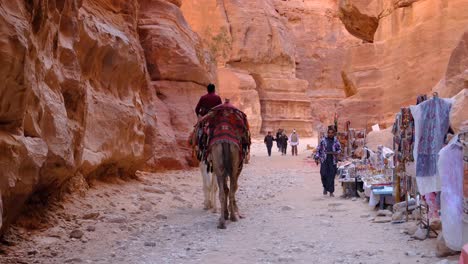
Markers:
(387, 190)
(433, 128)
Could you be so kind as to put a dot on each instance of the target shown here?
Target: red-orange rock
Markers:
(411, 50)
(173, 51)
(459, 112)
(77, 98)
(180, 68)
(359, 24)
(253, 40)
(240, 88)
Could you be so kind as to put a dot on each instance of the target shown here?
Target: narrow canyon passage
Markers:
(159, 219)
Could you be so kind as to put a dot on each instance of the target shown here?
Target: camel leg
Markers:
(214, 189)
(218, 172)
(206, 186)
(226, 194)
(222, 198)
(233, 180)
(232, 200)
(236, 208)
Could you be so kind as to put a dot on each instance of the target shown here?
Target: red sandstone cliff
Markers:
(80, 97)
(411, 53)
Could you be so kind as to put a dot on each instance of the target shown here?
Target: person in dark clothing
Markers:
(278, 140)
(269, 142)
(207, 101)
(327, 156)
(284, 143)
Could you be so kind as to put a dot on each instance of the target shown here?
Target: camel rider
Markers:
(207, 101)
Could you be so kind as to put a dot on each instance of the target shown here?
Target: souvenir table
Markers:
(349, 173)
(378, 185)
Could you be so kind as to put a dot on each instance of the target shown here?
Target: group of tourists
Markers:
(282, 141)
(326, 154)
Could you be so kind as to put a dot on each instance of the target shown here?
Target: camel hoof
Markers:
(234, 219)
(241, 216)
(221, 226)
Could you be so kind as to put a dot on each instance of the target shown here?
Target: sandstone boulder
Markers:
(358, 24)
(382, 137)
(173, 51)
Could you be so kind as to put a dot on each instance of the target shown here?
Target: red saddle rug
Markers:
(224, 123)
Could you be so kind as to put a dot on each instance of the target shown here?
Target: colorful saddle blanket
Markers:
(224, 123)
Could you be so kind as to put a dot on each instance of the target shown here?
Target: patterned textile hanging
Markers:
(431, 125)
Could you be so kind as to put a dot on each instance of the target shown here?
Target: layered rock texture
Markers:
(80, 98)
(417, 47)
(252, 41)
(294, 50)
(321, 43)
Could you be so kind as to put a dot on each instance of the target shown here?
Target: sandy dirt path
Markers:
(159, 219)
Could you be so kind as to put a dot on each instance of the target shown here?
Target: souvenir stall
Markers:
(419, 134)
(352, 141)
(372, 175)
(349, 175)
(377, 177)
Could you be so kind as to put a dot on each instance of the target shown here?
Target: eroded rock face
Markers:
(240, 87)
(276, 43)
(72, 101)
(78, 100)
(361, 25)
(173, 51)
(321, 43)
(459, 112)
(180, 68)
(456, 75)
(412, 49)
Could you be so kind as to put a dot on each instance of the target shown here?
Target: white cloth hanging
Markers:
(450, 166)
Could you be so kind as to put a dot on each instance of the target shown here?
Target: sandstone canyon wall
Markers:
(80, 98)
(256, 57)
(321, 44)
(407, 53)
(294, 50)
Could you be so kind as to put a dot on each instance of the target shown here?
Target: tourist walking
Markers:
(284, 143)
(269, 142)
(327, 156)
(279, 133)
(294, 141)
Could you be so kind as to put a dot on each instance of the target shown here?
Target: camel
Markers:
(210, 187)
(227, 165)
